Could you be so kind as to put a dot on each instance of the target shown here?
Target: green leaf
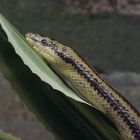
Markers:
(64, 117)
(33, 61)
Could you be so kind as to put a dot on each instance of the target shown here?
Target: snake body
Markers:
(90, 86)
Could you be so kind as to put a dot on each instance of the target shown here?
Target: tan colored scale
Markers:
(68, 72)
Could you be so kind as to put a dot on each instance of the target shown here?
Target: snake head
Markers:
(49, 49)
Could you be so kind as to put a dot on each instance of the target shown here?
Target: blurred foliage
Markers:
(7, 136)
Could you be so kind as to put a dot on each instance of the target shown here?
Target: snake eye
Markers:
(44, 42)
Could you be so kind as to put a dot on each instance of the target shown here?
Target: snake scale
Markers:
(84, 79)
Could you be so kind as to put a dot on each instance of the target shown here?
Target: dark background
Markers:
(109, 41)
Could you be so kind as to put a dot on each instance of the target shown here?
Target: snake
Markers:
(90, 86)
